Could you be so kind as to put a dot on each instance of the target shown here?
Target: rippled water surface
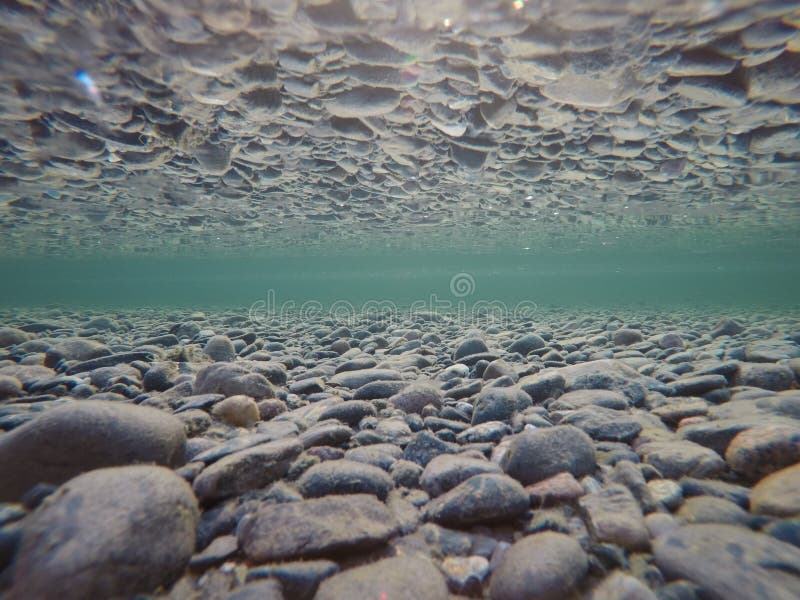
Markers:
(570, 152)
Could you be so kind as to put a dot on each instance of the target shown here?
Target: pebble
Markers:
(536, 455)
(219, 348)
(245, 470)
(484, 498)
(370, 442)
(344, 477)
(239, 411)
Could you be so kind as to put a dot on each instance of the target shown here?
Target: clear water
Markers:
(579, 154)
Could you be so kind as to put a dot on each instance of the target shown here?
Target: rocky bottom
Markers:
(168, 454)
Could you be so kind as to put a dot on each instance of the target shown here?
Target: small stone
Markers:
(231, 379)
(604, 423)
(765, 375)
(527, 343)
(471, 345)
(558, 488)
(677, 459)
(239, 411)
(10, 387)
(220, 349)
(11, 336)
(465, 574)
(499, 404)
(626, 337)
(543, 566)
(619, 586)
(707, 509)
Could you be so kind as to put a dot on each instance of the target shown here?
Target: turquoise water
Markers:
(735, 274)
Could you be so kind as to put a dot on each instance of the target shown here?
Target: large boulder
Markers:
(68, 440)
(109, 533)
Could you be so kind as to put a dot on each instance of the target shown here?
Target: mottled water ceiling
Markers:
(160, 126)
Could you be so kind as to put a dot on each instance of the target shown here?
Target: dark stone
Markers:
(536, 455)
(485, 498)
(449, 470)
(108, 533)
(312, 528)
(246, 470)
(299, 580)
(729, 562)
(78, 437)
(344, 477)
(499, 404)
(604, 423)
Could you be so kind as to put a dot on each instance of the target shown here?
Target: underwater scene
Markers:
(400, 299)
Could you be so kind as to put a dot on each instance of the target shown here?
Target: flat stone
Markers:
(446, 471)
(697, 385)
(764, 375)
(677, 459)
(357, 379)
(344, 477)
(533, 456)
(708, 509)
(313, 528)
(729, 562)
(485, 498)
(246, 470)
(543, 566)
(614, 517)
(581, 398)
(397, 577)
(298, 579)
(604, 423)
(78, 437)
(113, 532)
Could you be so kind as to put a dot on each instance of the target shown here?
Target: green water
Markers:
(745, 271)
